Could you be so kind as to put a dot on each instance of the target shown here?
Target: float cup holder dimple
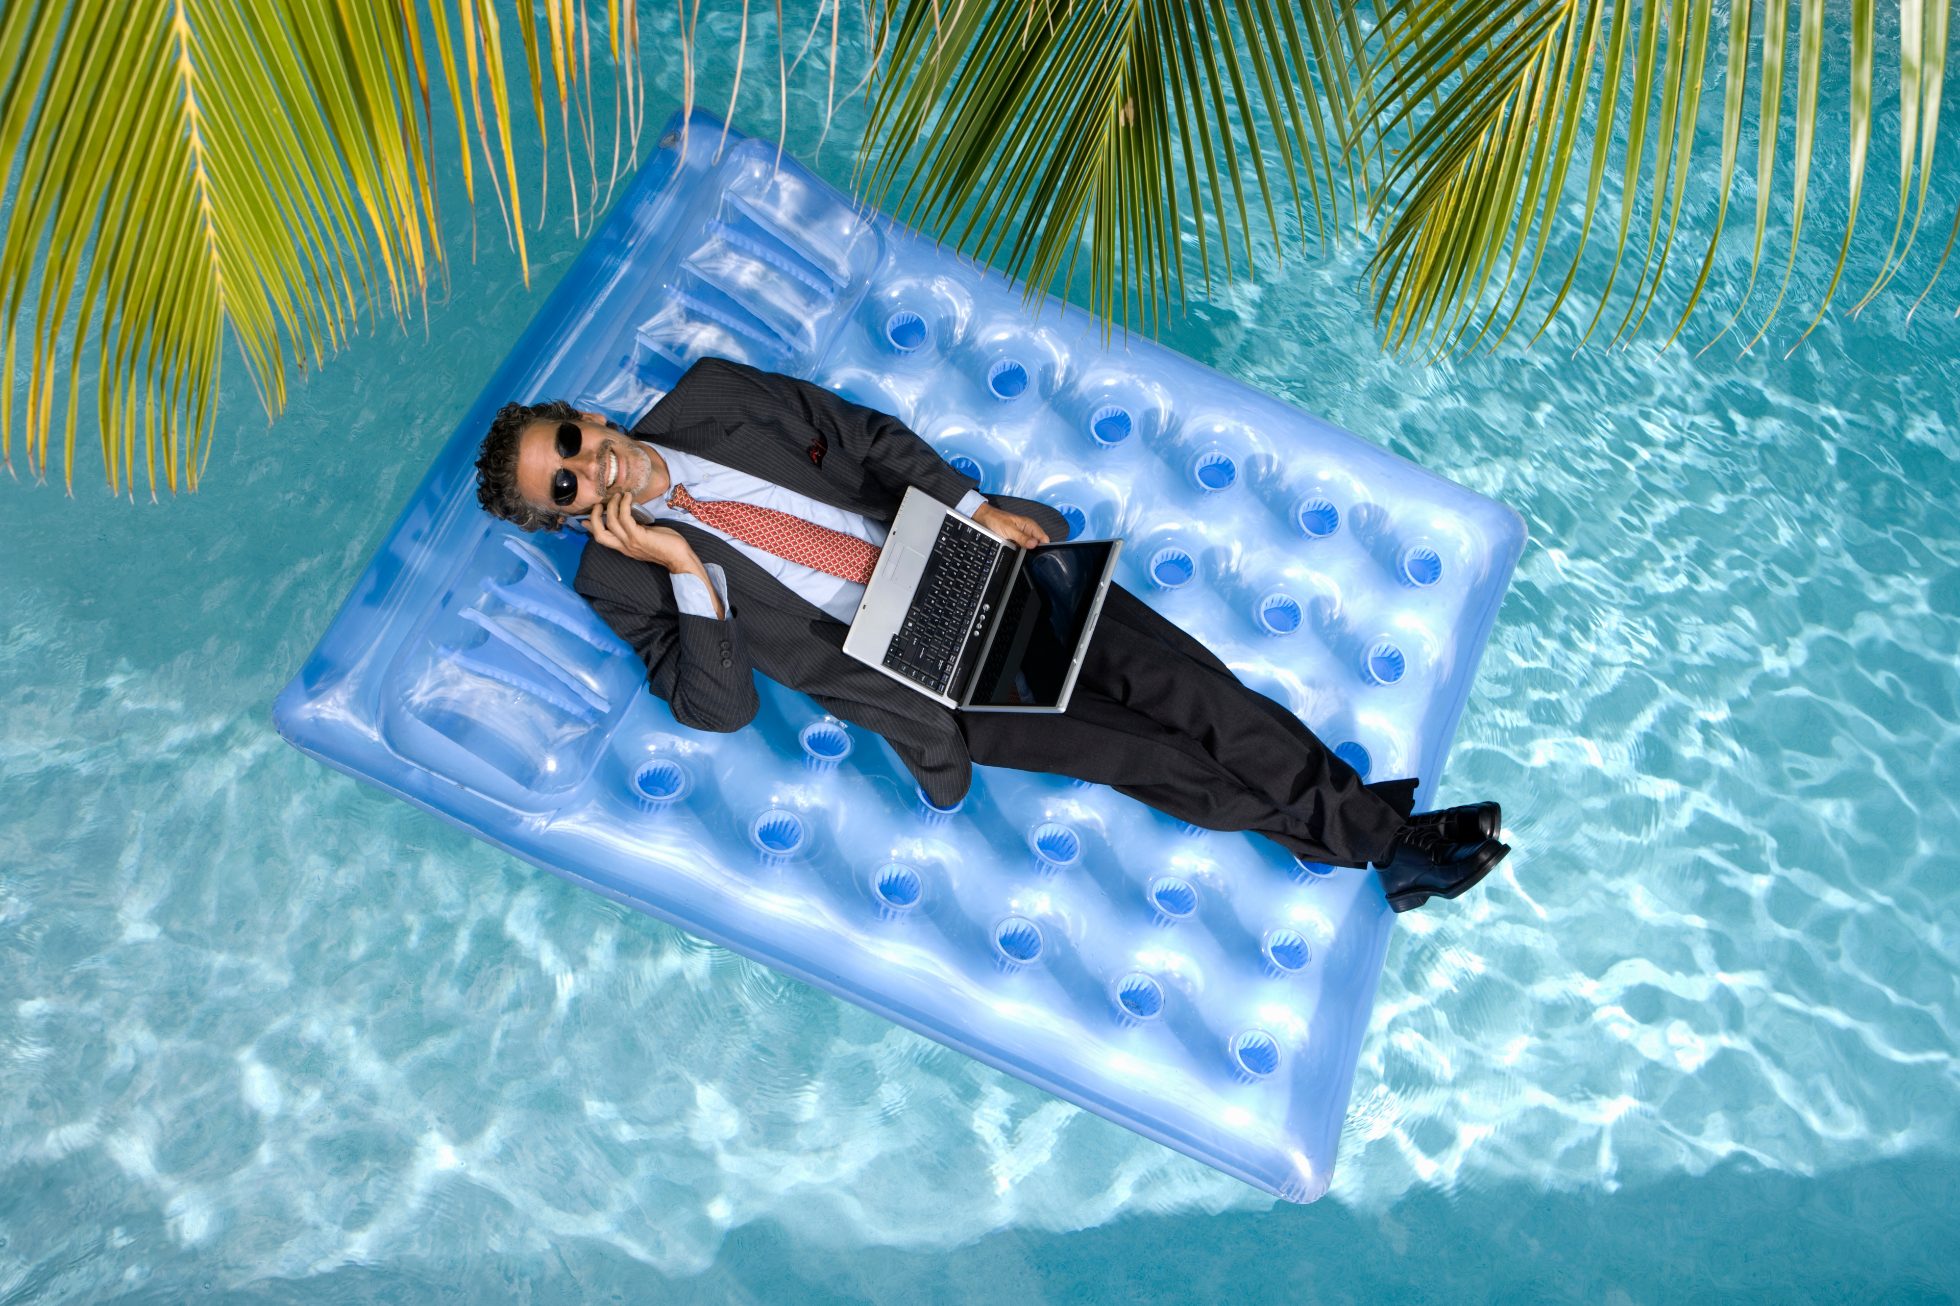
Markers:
(825, 745)
(905, 331)
(1278, 613)
(1138, 998)
(1007, 378)
(897, 887)
(1310, 872)
(1017, 941)
(777, 834)
(1076, 519)
(1213, 470)
(1172, 899)
(1286, 951)
(659, 784)
(931, 812)
(1355, 756)
(1110, 425)
(1383, 663)
(1171, 567)
(1054, 845)
(1255, 1055)
(1419, 566)
(1316, 517)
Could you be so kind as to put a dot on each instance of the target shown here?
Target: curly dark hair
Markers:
(496, 464)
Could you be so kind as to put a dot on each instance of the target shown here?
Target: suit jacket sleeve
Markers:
(698, 664)
(890, 451)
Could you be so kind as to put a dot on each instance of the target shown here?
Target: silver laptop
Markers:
(974, 621)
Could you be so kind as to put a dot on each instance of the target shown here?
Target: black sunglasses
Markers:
(564, 482)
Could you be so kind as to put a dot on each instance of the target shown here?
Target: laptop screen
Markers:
(1042, 624)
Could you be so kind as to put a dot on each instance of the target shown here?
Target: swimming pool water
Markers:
(265, 1032)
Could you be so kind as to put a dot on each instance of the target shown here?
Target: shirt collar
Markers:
(682, 468)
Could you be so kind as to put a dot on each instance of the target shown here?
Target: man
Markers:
(735, 526)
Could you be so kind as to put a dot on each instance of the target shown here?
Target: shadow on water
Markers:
(1737, 1233)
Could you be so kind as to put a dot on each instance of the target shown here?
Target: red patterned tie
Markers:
(785, 535)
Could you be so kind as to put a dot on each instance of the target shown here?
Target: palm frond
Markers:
(1490, 95)
(1037, 127)
(193, 167)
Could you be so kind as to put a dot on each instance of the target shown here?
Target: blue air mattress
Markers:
(1200, 988)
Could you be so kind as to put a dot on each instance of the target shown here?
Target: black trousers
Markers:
(1156, 716)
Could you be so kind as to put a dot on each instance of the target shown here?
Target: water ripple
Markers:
(262, 1018)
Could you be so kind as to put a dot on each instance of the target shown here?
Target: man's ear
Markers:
(600, 418)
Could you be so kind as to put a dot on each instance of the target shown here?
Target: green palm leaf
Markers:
(1025, 127)
(256, 159)
(199, 166)
(1490, 94)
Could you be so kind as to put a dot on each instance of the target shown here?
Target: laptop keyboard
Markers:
(946, 607)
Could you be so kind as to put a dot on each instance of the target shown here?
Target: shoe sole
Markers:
(1410, 899)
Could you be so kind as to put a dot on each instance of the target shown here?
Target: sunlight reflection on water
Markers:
(274, 1022)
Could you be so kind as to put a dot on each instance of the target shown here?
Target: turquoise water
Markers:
(266, 1034)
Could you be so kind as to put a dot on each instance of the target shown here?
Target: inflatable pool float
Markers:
(1201, 988)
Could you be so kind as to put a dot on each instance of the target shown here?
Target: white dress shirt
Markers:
(707, 480)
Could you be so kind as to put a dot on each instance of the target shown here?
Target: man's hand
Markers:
(613, 524)
(1022, 530)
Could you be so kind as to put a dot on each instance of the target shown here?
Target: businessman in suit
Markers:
(734, 527)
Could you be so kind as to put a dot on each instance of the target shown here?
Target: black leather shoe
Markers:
(1469, 825)
(1425, 866)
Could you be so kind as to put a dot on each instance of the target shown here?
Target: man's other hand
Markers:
(613, 524)
(1022, 530)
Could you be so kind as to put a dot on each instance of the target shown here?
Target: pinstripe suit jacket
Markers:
(804, 438)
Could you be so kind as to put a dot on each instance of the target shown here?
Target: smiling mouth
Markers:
(612, 469)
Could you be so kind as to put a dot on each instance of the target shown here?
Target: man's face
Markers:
(587, 460)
